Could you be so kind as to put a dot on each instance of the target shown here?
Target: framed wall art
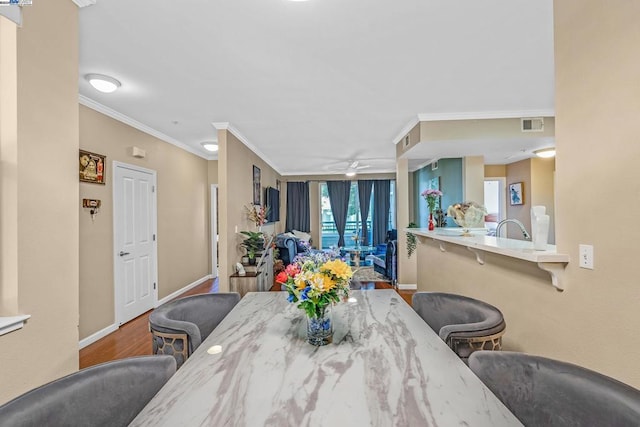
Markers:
(93, 167)
(256, 185)
(516, 194)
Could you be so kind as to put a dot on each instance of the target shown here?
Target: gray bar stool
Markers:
(464, 323)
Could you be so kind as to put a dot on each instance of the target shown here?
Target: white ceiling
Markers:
(314, 85)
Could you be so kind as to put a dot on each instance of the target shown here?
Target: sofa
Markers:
(289, 246)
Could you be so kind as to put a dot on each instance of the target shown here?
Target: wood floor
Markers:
(134, 338)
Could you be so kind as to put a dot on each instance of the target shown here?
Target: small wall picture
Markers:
(516, 194)
(92, 167)
(256, 185)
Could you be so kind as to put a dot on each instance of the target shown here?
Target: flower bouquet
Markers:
(431, 196)
(315, 282)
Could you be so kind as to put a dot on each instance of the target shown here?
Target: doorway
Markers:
(134, 239)
(494, 201)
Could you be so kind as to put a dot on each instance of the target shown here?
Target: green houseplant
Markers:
(253, 244)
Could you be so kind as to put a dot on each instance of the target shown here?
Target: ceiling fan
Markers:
(349, 167)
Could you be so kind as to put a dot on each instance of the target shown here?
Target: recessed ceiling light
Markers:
(546, 152)
(210, 146)
(103, 83)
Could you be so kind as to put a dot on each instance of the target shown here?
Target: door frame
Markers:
(213, 209)
(117, 292)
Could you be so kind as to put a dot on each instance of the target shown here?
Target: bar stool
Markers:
(464, 323)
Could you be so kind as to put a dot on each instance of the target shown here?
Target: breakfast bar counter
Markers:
(385, 367)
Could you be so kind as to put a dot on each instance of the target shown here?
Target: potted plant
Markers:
(253, 244)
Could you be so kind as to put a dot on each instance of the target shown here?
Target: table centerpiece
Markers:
(315, 282)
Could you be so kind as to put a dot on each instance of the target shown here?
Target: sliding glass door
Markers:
(354, 225)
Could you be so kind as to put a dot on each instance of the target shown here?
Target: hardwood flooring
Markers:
(134, 339)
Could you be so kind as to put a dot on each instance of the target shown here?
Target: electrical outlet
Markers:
(586, 256)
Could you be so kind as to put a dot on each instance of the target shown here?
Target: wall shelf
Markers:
(12, 323)
(548, 260)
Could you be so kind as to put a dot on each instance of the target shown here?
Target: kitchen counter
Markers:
(476, 241)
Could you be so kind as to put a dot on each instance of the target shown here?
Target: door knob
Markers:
(123, 253)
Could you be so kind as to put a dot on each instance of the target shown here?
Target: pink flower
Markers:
(292, 270)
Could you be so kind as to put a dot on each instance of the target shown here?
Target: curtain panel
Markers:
(381, 207)
(298, 207)
(339, 201)
(364, 197)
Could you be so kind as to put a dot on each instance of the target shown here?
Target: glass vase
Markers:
(320, 327)
(432, 223)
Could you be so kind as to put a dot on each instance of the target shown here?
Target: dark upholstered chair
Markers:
(110, 394)
(179, 326)
(464, 323)
(546, 392)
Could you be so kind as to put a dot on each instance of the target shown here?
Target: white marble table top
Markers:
(386, 367)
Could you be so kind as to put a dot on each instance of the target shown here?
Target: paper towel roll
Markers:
(541, 233)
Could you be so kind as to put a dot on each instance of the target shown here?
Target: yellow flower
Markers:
(338, 269)
(301, 279)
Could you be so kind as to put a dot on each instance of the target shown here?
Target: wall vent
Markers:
(532, 124)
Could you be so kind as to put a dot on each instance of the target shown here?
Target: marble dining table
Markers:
(385, 367)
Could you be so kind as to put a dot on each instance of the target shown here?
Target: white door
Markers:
(135, 258)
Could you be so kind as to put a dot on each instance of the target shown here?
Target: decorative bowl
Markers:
(468, 214)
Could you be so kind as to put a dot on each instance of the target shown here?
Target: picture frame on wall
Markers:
(516, 194)
(92, 167)
(256, 185)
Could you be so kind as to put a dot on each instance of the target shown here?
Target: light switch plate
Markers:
(586, 256)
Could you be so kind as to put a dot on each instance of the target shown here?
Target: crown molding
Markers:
(406, 129)
(84, 3)
(90, 103)
(228, 127)
(480, 115)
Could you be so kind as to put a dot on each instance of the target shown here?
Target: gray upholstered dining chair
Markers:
(110, 394)
(547, 392)
(179, 326)
(464, 323)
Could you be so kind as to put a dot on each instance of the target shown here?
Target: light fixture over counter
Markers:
(546, 153)
(210, 146)
(103, 83)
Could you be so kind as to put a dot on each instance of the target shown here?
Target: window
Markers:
(329, 233)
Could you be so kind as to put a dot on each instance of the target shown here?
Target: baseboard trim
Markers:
(96, 336)
(112, 328)
(185, 289)
(407, 286)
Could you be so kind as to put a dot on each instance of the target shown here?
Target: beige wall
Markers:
(473, 179)
(519, 172)
(183, 216)
(444, 130)
(493, 171)
(212, 174)
(47, 197)
(594, 322)
(235, 174)
(543, 189)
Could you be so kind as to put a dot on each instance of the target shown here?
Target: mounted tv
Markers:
(272, 197)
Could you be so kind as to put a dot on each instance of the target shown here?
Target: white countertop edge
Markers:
(519, 249)
(12, 323)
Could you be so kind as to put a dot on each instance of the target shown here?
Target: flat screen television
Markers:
(272, 196)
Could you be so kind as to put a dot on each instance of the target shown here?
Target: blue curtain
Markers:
(298, 208)
(381, 207)
(364, 197)
(339, 200)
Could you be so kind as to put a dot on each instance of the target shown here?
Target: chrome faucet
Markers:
(515, 221)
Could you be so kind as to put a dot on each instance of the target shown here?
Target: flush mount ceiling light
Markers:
(103, 83)
(210, 146)
(546, 152)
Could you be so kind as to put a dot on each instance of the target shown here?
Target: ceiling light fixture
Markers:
(350, 173)
(546, 153)
(103, 83)
(210, 146)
